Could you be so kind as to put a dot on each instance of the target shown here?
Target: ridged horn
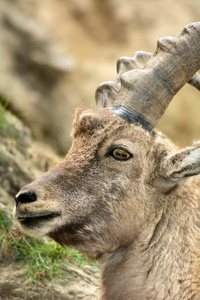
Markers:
(195, 81)
(146, 93)
(107, 92)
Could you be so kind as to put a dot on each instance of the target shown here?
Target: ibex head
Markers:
(120, 174)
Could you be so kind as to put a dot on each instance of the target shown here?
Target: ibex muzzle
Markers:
(124, 193)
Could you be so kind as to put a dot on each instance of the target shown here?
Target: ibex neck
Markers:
(162, 264)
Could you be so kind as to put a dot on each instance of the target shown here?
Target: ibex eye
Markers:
(120, 154)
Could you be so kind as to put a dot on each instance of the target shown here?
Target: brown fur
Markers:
(140, 217)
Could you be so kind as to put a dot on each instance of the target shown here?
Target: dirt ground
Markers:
(81, 283)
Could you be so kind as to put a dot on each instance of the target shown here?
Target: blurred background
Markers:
(53, 55)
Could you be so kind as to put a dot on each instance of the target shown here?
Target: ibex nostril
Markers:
(26, 197)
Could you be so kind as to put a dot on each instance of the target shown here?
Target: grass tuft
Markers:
(43, 259)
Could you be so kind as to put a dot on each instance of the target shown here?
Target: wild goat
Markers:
(124, 193)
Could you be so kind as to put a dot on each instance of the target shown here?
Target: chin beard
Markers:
(78, 236)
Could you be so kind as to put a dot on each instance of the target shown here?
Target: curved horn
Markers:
(107, 92)
(145, 94)
(195, 81)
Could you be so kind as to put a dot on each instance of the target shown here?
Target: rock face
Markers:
(36, 68)
(55, 53)
(21, 160)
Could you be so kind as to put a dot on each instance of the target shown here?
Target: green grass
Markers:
(3, 108)
(7, 129)
(44, 260)
(7, 124)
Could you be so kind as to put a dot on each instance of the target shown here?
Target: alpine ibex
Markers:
(124, 193)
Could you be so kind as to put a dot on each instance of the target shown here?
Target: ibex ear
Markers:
(182, 164)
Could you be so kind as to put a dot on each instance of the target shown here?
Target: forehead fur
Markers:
(87, 120)
(100, 123)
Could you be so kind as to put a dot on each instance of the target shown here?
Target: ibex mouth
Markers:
(30, 220)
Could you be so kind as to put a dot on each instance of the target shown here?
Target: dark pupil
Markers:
(120, 154)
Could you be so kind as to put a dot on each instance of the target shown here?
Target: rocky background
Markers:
(53, 55)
